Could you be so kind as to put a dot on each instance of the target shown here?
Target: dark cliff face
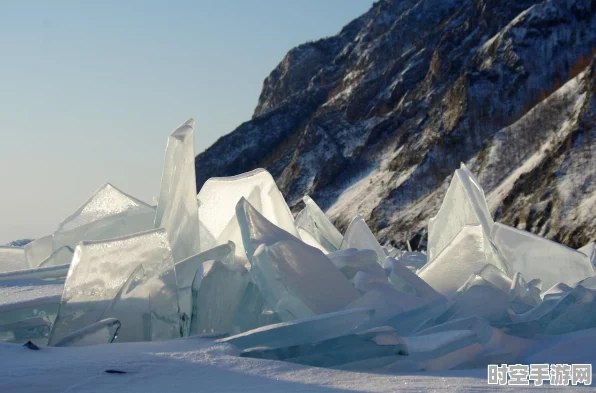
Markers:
(373, 121)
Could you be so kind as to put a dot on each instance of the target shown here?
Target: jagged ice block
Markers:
(177, 209)
(100, 269)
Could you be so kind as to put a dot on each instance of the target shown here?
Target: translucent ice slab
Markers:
(358, 235)
(98, 272)
(102, 332)
(437, 351)
(537, 257)
(550, 299)
(309, 239)
(468, 252)
(463, 205)
(220, 195)
(408, 322)
(387, 303)
(216, 294)
(60, 257)
(573, 311)
(523, 296)
(28, 307)
(478, 297)
(351, 261)
(475, 323)
(35, 329)
(253, 311)
(186, 271)
(365, 282)
(109, 213)
(12, 259)
(256, 230)
(177, 207)
(395, 252)
(38, 250)
(51, 273)
(313, 220)
(133, 307)
(301, 331)
(590, 251)
(299, 281)
(412, 260)
(334, 352)
(146, 306)
(404, 280)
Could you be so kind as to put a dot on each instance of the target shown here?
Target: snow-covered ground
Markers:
(201, 365)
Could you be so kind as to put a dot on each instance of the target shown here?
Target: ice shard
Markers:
(186, 271)
(60, 257)
(177, 210)
(28, 307)
(537, 257)
(358, 235)
(463, 205)
(109, 213)
(12, 259)
(590, 251)
(220, 195)
(468, 252)
(386, 302)
(523, 297)
(147, 307)
(100, 269)
(481, 326)
(481, 298)
(38, 250)
(253, 311)
(102, 332)
(404, 280)
(301, 331)
(256, 230)
(357, 348)
(438, 351)
(351, 261)
(574, 310)
(216, 294)
(299, 281)
(133, 308)
(412, 260)
(550, 299)
(35, 329)
(51, 273)
(313, 220)
(365, 282)
(495, 276)
(288, 272)
(309, 239)
(408, 322)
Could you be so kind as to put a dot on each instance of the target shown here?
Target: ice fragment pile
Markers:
(233, 261)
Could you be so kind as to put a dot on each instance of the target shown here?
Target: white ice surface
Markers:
(14, 293)
(196, 365)
(12, 259)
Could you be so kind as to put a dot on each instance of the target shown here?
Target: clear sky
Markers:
(91, 89)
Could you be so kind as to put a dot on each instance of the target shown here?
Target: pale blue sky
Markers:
(91, 89)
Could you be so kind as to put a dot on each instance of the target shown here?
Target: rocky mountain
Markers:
(374, 120)
(19, 243)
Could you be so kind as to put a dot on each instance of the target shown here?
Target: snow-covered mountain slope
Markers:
(374, 120)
